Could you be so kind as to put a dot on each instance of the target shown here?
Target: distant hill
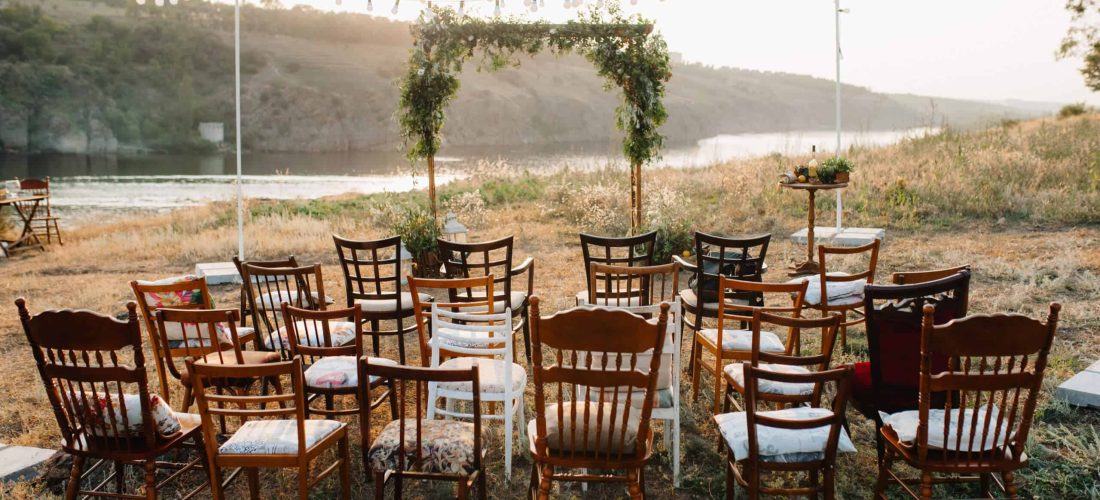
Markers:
(122, 76)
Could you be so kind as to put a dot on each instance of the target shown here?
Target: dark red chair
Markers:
(890, 381)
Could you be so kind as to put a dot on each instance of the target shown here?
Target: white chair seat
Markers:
(490, 374)
(272, 301)
(840, 292)
(276, 437)
(339, 372)
(736, 371)
(597, 418)
(905, 425)
(340, 333)
(661, 399)
(781, 444)
(582, 299)
(391, 305)
(499, 306)
(741, 340)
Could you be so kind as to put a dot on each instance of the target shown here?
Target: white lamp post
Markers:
(453, 230)
(839, 192)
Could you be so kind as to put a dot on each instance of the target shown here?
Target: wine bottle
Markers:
(813, 163)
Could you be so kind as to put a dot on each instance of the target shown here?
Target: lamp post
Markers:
(839, 55)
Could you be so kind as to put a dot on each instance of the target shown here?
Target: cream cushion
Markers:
(105, 414)
(339, 372)
(391, 305)
(340, 333)
(516, 301)
(905, 425)
(840, 292)
(736, 371)
(781, 444)
(582, 299)
(599, 422)
(741, 340)
(276, 437)
(272, 301)
(490, 375)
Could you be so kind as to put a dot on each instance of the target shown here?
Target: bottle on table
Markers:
(813, 163)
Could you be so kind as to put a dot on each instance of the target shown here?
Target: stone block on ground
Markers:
(21, 463)
(1082, 389)
(218, 273)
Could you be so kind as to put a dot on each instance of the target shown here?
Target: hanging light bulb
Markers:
(394, 9)
(496, 9)
(370, 5)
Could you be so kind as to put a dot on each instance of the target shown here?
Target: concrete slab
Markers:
(848, 236)
(218, 273)
(1081, 390)
(1095, 367)
(20, 463)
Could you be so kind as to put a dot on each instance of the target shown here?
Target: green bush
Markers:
(1075, 109)
(672, 239)
(418, 231)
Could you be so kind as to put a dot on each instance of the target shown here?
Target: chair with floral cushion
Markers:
(417, 447)
(179, 292)
(976, 411)
(375, 282)
(629, 251)
(93, 370)
(246, 301)
(302, 287)
(729, 342)
(329, 360)
(273, 430)
(791, 361)
(788, 442)
(209, 335)
(889, 382)
(841, 292)
(585, 413)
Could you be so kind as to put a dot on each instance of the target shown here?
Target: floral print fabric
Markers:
(103, 414)
(337, 372)
(310, 334)
(774, 441)
(447, 446)
(490, 375)
(276, 437)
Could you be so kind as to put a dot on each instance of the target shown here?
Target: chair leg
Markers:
(527, 332)
(634, 486)
(74, 478)
(401, 340)
(545, 471)
(984, 481)
(151, 479)
(303, 482)
(345, 468)
(379, 485)
(509, 426)
(1010, 484)
(393, 401)
(374, 337)
(253, 476)
(883, 469)
(926, 485)
(463, 490)
(533, 484)
(696, 353)
(482, 492)
(731, 484)
(187, 398)
(719, 381)
(120, 477)
(676, 447)
(830, 483)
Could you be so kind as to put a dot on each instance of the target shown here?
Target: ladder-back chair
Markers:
(629, 251)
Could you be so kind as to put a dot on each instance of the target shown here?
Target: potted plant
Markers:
(841, 168)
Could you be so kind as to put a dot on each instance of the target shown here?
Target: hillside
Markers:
(319, 81)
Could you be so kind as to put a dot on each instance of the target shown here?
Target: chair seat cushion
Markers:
(447, 446)
(661, 399)
(340, 333)
(774, 441)
(582, 299)
(490, 375)
(228, 358)
(840, 292)
(391, 305)
(688, 297)
(741, 340)
(664, 374)
(736, 371)
(339, 372)
(560, 437)
(905, 425)
(276, 437)
(111, 416)
(157, 300)
(515, 303)
(273, 300)
(175, 334)
(452, 337)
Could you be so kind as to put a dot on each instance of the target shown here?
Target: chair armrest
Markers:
(527, 266)
(685, 265)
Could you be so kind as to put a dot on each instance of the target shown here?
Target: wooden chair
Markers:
(642, 290)
(102, 402)
(791, 361)
(441, 450)
(469, 294)
(791, 441)
(629, 251)
(831, 285)
(246, 304)
(987, 401)
(593, 373)
(211, 337)
(716, 256)
(43, 223)
(915, 277)
(890, 381)
(289, 440)
(468, 260)
(736, 343)
(374, 281)
(330, 359)
(268, 287)
(180, 292)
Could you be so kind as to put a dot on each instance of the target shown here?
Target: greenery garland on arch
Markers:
(624, 49)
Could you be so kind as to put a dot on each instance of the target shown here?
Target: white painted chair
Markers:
(482, 340)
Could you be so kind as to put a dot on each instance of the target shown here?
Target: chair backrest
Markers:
(800, 328)
(471, 260)
(204, 332)
(401, 377)
(741, 258)
(246, 291)
(894, 315)
(311, 336)
(281, 403)
(623, 286)
(37, 187)
(372, 268)
(629, 251)
(475, 293)
(997, 363)
(474, 333)
(187, 292)
(729, 310)
(841, 377)
(867, 273)
(915, 277)
(574, 338)
(269, 287)
(89, 363)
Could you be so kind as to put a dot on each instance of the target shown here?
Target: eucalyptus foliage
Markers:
(623, 49)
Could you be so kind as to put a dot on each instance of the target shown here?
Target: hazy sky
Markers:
(975, 49)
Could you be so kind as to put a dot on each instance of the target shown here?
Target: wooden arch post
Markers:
(635, 198)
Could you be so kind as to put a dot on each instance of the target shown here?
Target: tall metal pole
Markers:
(237, 71)
(839, 192)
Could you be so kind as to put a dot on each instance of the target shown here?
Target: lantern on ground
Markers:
(406, 264)
(454, 231)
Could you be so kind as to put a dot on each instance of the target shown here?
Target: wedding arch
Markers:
(624, 49)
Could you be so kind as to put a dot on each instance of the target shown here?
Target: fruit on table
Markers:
(687, 253)
(802, 178)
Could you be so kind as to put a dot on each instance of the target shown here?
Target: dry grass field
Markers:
(1020, 203)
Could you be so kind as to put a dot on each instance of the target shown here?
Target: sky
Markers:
(971, 49)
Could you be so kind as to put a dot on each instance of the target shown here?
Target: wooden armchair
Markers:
(915, 277)
(417, 447)
(469, 260)
(629, 251)
(302, 287)
(93, 370)
(44, 223)
(612, 433)
(974, 415)
(841, 292)
(730, 342)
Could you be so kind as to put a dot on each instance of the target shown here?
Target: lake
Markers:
(84, 185)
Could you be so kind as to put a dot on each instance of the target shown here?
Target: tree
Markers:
(1083, 39)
